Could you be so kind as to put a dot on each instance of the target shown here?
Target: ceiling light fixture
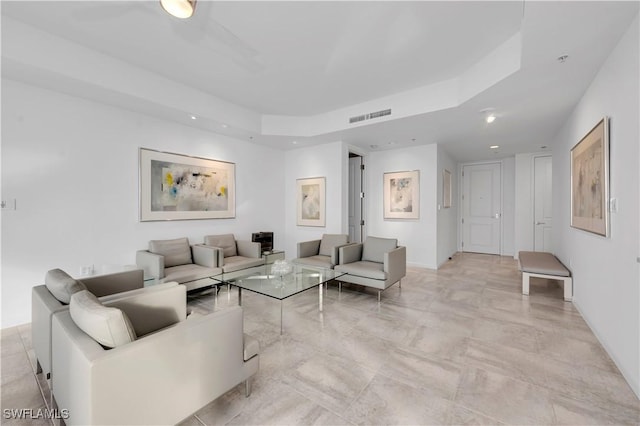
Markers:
(193, 117)
(182, 9)
(294, 142)
(494, 146)
(491, 118)
(224, 126)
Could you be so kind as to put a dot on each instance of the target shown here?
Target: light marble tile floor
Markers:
(460, 345)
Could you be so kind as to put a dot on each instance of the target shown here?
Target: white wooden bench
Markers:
(544, 265)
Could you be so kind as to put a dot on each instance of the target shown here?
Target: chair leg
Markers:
(379, 293)
(340, 286)
(400, 283)
(247, 388)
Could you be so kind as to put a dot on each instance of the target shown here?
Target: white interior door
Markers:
(481, 208)
(542, 196)
(355, 199)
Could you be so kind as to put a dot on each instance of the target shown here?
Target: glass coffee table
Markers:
(261, 280)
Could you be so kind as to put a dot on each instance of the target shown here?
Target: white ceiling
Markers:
(310, 58)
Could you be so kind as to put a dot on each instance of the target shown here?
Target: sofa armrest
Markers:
(153, 308)
(208, 256)
(350, 253)
(151, 263)
(395, 263)
(43, 306)
(249, 249)
(308, 248)
(104, 285)
(335, 253)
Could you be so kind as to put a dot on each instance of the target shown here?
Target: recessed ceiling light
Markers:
(294, 142)
(373, 146)
(392, 143)
(491, 118)
(224, 126)
(179, 8)
(494, 146)
(193, 117)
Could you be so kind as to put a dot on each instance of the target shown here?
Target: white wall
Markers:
(447, 236)
(317, 161)
(72, 166)
(604, 270)
(420, 235)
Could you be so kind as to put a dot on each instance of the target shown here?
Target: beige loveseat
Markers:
(176, 260)
(322, 253)
(377, 263)
(163, 366)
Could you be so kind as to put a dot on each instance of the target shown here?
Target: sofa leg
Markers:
(340, 286)
(379, 293)
(399, 283)
(247, 388)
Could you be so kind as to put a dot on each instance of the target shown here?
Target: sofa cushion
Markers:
(61, 285)
(318, 260)
(236, 263)
(176, 252)
(226, 242)
(374, 248)
(373, 270)
(329, 241)
(108, 326)
(186, 273)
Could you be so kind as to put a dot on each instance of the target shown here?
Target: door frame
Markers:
(532, 197)
(460, 195)
(363, 155)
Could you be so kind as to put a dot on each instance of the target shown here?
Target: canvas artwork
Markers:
(401, 195)
(590, 181)
(311, 202)
(174, 186)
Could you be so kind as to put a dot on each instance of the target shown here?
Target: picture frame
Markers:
(182, 187)
(446, 189)
(590, 181)
(401, 195)
(310, 201)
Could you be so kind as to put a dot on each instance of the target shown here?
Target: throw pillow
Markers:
(108, 326)
(61, 285)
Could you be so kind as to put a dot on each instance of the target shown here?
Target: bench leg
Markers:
(568, 289)
(525, 283)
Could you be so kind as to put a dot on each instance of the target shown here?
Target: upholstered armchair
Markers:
(141, 360)
(234, 255)
(176, 260)
(323, 252)
(377, 263)
(54, 296)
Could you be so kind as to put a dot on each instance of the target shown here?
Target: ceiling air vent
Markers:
(369, 116)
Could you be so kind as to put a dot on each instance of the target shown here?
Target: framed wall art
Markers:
(590, 181)
(181, 187)
(446, 189)
(310, 201)
(401, 195)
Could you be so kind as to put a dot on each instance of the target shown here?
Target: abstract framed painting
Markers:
(590, 181)
(310, 202)
(401, 195)
(181, 187)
